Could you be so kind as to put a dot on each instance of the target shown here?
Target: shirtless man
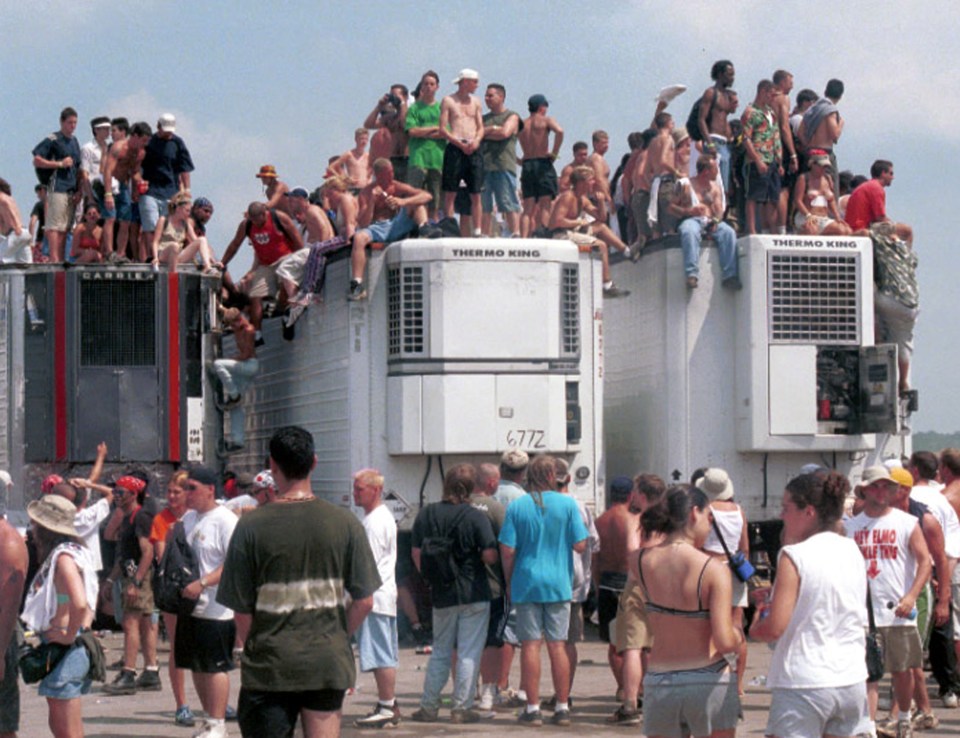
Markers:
(716, 105)
(601, 144)
(389, 210)
(659, 165)
(237, 374)
(581, 152)
(699, 206)
(783, 84)
(275, 190)
(15, 240)
(315, 228)
(122, 163)
(389, 140)
(822, 125)
(13, 573)
(538, 178)
(461, 124)
(354, 163)
(575, 218)
(610, 564)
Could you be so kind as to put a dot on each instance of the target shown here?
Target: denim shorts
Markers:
(690, 701)
(510, 628)
(502, 187)
(388, 231)
(124, 204)
(377, 638)
(816, 712)
(536, 620)
(151, 208)
(68, 680)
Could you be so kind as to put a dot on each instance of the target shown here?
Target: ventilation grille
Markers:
(570, 310)
(814, 298)
(405, 311)
(118, 323)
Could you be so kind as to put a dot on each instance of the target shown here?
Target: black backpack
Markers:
(45, 175)
(178, 567)
(693, 120)
(438, 564)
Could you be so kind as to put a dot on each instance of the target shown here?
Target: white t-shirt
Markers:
(730, 523)
(823, 645)
(942, 510)
(381, 530)
(583, 562)
(240, 502)
(891, 566)
(209, 535)
(87, 522)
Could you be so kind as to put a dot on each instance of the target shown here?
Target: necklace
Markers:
(300, 497)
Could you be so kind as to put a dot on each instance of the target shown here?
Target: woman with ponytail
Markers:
(817, 615)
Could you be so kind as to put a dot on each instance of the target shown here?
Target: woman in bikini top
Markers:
(815, 204)
(86, 238)
(686, 592)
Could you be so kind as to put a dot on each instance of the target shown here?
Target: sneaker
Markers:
(949, 700)
(904, 729)
(635, 250)
(211, 730)
(124, 684)
(887, 728)
(380, 717)
(230, 714)
(692, 283)
(561, 718)
(732, 283)
(293, 314)
(530, 719)
(288, 330)
(356, 292)
(614, 291)
(423, 715)
(149, 681)
(924, 721)
(510, 699)
(185, 717)
(488, 696)
(458, 715)
(551, 704)
(623, 716)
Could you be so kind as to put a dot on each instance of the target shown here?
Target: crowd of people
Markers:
(509, 560)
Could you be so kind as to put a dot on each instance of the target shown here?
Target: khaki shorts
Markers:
(901, 647)
(263, 282)
(294, 266)
(575, 633)
(60, 212)
(632, 629)
(144, 603)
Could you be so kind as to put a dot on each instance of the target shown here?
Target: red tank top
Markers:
(269, 242)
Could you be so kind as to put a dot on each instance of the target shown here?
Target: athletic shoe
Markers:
(561, 718)
(692, 283)
(635, 250)
(459, 715)
(230, 714)
(732, 283)
(530, 719)
(488, 696)
(185, 716)
(149, 681)
(924, 721)
(904, 729)
(356, 292)
(510, 699)
(288, 330)
(614, 291)
(380, 717)
(423, 715)
(551, 704)
(211, 730)
(623, 716)
(124, 684)
(949, 700)
(293, 314)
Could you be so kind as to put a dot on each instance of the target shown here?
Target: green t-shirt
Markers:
(499, 156)
(425, 153)
(289, 565)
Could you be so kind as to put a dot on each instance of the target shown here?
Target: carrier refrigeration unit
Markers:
(758, 381)
(463, 349)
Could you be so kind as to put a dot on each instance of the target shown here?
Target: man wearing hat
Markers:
(133, 591)
(538, 177)
(166, 168)
(461, 124)
(898, 566)
(204, 638)
(92, 154)
(13, 572)
(275, 190)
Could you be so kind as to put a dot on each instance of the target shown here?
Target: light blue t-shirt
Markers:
(543, 538)
(508, 492)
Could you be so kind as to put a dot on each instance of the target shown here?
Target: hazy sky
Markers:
(287, 83)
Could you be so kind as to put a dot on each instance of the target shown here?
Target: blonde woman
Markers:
(175, 241)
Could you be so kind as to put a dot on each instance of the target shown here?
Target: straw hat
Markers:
(54, 513)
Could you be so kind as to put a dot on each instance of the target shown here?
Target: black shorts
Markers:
(538, 179)
(400, 167)
(204, 646)
(607, 601)
(458, 165)
(275, 714)
(498, 621)
(763, 187)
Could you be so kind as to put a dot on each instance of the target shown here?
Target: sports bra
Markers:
(700, 613)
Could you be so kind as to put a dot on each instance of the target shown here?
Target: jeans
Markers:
(236, 376)
(723, 152)
(691, 235)
(463, 627)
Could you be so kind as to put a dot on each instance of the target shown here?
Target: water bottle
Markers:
(911, 616)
